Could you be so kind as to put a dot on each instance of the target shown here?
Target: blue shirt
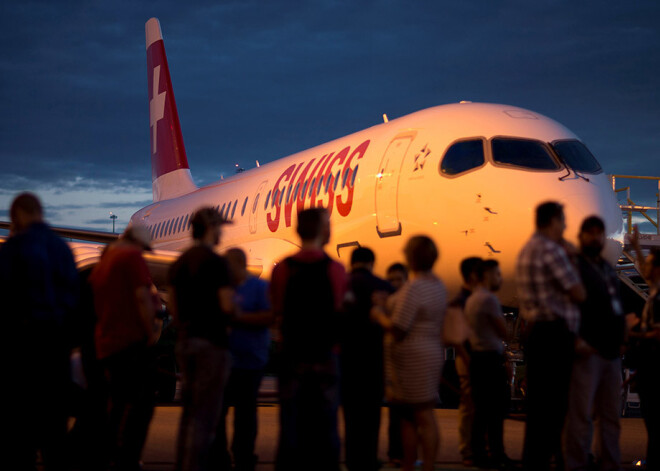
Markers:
(249, 345)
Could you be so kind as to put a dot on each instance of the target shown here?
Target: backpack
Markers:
(309, 319)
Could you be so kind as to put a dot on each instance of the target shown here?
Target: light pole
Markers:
(113, 217)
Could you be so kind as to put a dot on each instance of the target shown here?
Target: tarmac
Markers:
(159, 452)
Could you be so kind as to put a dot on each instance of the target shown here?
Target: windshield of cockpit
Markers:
(529, 154)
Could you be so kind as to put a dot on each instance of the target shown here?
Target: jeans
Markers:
(205, 368)
(490, 396)
(549, 354)
(309, 399)
(131, 382)
(242, 392)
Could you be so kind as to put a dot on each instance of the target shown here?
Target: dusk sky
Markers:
(259, 80)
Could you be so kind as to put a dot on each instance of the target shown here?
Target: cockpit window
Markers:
(576, 156)
(463, 156)
(524, 153)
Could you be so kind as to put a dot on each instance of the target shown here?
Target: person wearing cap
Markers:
(201, 301)
(125, 304)
(39, 291)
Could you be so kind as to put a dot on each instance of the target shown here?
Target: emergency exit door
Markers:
(387, 185)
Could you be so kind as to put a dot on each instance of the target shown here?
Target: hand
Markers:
(634, 237)
(631, 320)
(582, 348)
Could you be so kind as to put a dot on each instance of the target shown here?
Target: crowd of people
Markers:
(343, 340)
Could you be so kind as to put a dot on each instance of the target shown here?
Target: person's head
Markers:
(206, 224)
(314, 226)
(490, 275)
(592, 236)
(237, 263)
(469, 270)
(24, 211)
(138, 235)
(362, 257)
(652, 267)
(397, 275)
(550, 220)
(421, 253)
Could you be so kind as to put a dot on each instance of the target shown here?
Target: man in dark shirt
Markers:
(307, 291)
(596, 379)
(202, 304)
(362, 363)
(39, 289)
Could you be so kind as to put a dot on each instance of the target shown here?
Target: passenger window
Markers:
(256, 202)
(576, 156)
(297, 190)
(281, 196)
(233, 210)
(311, 187)
(185, 221)
(190, 222)
(463, 156)
(354, 175)
(303, 192)
(343, 180)
(524, 153)
(327, 184)
(334, 187)
(275, 195)
(267, 200)
(244, 206)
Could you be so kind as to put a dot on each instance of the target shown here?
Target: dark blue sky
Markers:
(258, 80)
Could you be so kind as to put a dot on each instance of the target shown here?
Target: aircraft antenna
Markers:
(385, 120)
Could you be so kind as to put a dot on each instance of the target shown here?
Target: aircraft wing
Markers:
(100, 237)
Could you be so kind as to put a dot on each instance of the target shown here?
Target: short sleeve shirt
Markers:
(249, 345)
(115, 279)
(482, 311)
(544, 274)
(196, 278)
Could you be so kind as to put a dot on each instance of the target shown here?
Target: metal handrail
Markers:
(631, 207)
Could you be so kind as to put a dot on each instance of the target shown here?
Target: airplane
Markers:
(469, 175)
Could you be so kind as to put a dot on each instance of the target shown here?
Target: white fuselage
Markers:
(397, 191)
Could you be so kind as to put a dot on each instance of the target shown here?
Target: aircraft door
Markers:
(387, 185)
(257, 200)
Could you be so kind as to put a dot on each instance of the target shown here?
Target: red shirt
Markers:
(115, 279)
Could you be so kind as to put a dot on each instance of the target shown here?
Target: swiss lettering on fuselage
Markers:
(325, 182)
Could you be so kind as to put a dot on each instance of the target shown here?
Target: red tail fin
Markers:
(170, 173)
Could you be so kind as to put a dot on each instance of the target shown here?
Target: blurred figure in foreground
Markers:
(417, 352)
(488, 374)
(595, 395)
(307, 291)
(549, 289)
(39, 289)
(646, 337)
(125, 305)
(396, 275)
(202, 304)
(456, 322)
(249, 343)
(362, 363)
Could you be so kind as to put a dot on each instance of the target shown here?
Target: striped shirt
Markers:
(544, 275)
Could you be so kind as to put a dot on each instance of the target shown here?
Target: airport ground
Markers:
(160, 449)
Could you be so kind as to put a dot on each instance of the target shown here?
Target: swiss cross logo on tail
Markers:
(156, 108)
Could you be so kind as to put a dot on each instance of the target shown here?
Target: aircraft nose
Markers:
(600, 203)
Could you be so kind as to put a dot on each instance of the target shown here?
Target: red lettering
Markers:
(344, 207)
(329, 179)
(288, 199)
(274, 222)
